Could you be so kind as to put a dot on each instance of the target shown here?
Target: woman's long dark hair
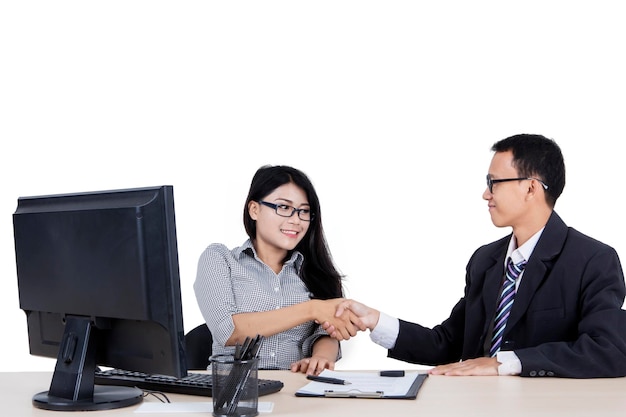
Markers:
(318, 272)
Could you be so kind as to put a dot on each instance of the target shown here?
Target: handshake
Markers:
(343, 318)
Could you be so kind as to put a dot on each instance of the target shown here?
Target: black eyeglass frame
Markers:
(491, 181)
(293, 210)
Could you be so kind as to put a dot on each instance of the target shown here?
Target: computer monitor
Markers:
(98, 279)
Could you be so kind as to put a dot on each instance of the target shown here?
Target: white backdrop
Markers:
(390, 107)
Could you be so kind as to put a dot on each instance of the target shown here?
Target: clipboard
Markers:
(365, 385)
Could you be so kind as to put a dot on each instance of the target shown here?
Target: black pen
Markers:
(327, 380)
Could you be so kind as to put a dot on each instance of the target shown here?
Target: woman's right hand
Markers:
(344, 326)
(360, 315)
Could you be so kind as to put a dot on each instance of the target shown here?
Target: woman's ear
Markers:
(253, 210)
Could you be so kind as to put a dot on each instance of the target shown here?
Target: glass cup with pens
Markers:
(235, 380)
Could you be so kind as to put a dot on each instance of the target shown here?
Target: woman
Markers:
(280, 283)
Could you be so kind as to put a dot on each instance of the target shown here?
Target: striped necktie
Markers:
(504, 304)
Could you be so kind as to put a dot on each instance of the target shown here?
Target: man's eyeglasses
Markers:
(284, 210)
(491, 181)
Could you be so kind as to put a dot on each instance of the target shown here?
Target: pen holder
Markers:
(235, 386)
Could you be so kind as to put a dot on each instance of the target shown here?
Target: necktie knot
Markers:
(514, 270)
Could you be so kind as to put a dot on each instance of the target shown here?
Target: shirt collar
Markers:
(522, 253)
(296, 257)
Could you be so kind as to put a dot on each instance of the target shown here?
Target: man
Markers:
(555, 310)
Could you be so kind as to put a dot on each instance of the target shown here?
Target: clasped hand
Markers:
(349, 317)
(342, 322)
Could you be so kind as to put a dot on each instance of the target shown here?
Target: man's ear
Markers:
(533, 188)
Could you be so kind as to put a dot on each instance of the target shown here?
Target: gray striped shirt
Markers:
(236, 281)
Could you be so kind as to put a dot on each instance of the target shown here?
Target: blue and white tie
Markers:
(504, 304)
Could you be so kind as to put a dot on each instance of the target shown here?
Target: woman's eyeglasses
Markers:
(284, 210)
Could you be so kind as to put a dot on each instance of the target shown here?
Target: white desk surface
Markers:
(439, 396)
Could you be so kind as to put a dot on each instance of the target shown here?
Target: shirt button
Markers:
(276, 289)
(272, 354)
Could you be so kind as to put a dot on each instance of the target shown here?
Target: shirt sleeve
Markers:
(214, 292)
(509, 363)
(386, 331)
(307, 346)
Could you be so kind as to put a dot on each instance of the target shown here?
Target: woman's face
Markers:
(274, 232)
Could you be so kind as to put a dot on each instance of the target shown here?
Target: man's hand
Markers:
(478, 367)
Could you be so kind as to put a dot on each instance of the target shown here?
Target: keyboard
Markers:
(193, 384)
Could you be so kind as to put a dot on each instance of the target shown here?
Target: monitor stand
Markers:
(72, 387)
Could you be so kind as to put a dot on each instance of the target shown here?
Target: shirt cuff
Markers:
(509, 363)
(386, 331)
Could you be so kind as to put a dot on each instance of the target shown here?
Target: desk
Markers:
(439, 396)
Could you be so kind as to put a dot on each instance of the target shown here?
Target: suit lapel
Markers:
(491, 290)
(534, 274)
(538, 267)
(494, 274)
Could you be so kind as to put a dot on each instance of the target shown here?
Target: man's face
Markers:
(508, 200)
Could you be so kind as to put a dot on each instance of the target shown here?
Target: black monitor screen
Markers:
(99, 282)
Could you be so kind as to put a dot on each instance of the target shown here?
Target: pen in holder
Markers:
(235, 380)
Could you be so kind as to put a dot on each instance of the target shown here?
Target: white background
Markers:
(390, 107)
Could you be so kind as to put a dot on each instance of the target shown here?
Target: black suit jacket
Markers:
(567, 318)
